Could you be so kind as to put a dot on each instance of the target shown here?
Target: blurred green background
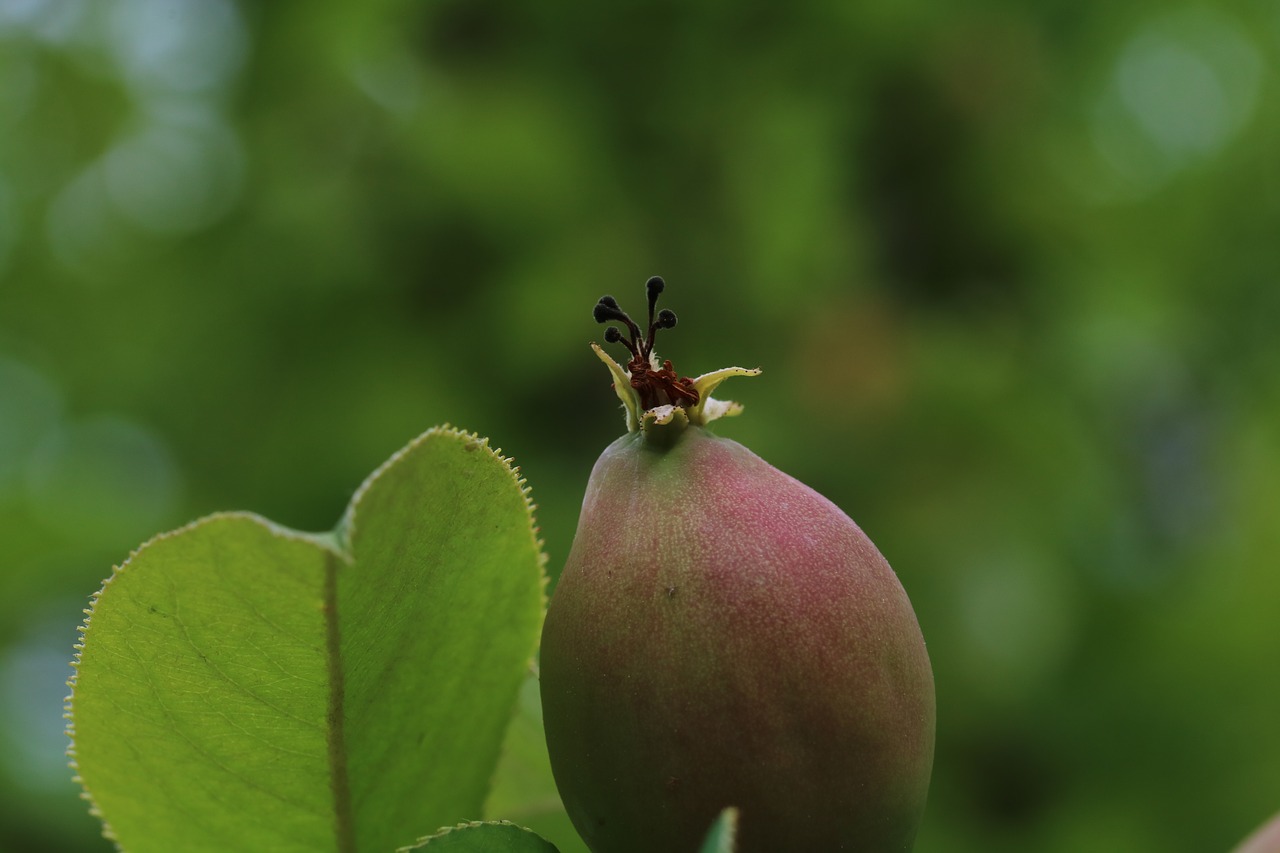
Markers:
(1010, 269)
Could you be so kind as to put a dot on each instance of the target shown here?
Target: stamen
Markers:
(653, 288)
(654, 386)
(607, 309)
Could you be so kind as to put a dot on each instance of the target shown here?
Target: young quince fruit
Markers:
(723, 635)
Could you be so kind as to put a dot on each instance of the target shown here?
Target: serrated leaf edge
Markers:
(345, 530)
(469, 824)
(336, 541)
(323, 540)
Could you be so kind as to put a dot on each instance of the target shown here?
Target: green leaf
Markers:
(723, 834)
(485, 837)
(241, 686)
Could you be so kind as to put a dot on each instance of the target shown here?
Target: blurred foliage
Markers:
(1009, 269)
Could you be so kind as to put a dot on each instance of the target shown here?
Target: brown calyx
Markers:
(660, 387)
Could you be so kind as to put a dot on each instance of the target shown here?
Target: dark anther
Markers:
(654, 286)
(640, 345)
(607, 309)
(655, 385)
(603, 313)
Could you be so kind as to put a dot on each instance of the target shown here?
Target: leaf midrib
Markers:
(343, 823)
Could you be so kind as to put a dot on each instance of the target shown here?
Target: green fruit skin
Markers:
(723, 635)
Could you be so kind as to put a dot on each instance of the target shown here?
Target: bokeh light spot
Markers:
(48, 20)
(177, 45)
(104, 480)
(180, 173)
(33, 685)
(1019, 621)
(392, 81)
(1183, 86)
